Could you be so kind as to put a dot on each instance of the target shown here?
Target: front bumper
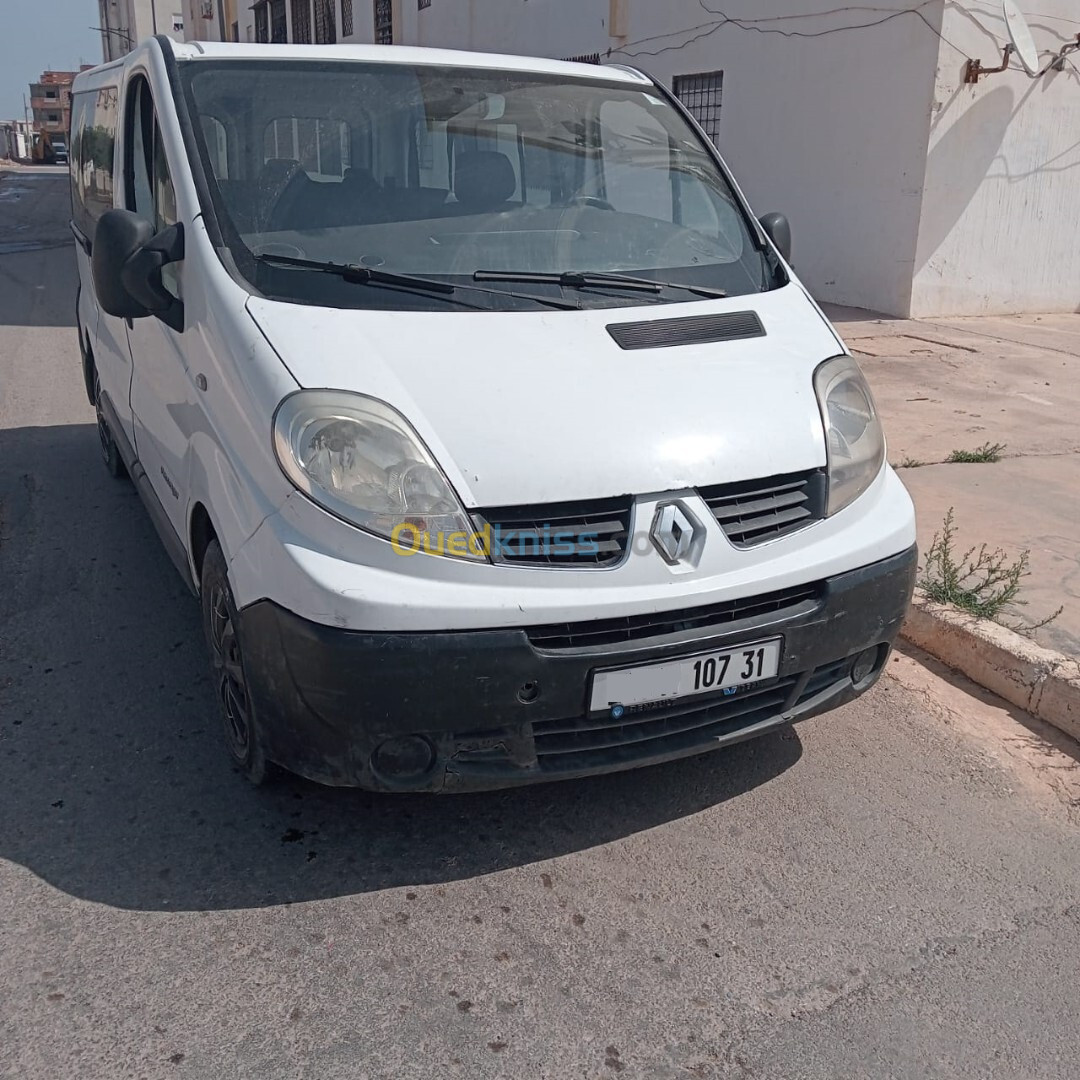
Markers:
(496, 710)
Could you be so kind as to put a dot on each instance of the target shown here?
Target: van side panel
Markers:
(223, 379)
(96, 180)
(229, 466)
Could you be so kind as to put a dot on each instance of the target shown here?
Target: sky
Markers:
(39, 35)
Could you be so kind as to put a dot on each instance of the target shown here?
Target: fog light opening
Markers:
(865, 666)
(404, 757)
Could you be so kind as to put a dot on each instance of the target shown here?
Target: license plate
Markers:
(726, 670)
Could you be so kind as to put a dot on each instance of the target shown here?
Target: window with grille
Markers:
(584, 58)
(301, 22)
(262, 24)
(701, 95)
(384, 22)
(279, 29)
(421, 4)
(346, 18)
(325, 23)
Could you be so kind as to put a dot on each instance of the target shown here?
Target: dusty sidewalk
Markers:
(956, 384)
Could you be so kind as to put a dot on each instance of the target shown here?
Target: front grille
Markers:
(753, 511)
(602, 741)
(573, 535)
(577, 635)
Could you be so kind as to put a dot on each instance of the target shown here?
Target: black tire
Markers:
(243, 740)
(110, 452)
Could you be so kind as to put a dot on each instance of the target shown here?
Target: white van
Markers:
(496, 435)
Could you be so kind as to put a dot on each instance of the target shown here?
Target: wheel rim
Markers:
(232, 687)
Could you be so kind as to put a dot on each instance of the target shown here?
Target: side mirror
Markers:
(778, 230)
(126, 264)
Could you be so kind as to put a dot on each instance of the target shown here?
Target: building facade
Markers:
(212, 20)
(124, 23)
(321, 22)
(16, 140)
(50, 101)
(910, 190)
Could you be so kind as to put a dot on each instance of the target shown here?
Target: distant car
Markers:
(497, 436)
(59, 152)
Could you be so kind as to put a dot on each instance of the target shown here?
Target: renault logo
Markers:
(673, 531)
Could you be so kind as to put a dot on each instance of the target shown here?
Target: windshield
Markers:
(447, 174)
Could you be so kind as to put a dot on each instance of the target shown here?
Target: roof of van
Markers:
(402, 54)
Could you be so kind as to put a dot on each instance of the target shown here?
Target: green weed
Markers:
(981, 581)
(986, 454)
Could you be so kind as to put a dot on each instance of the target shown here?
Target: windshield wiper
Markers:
(573, 279)
(369, 275)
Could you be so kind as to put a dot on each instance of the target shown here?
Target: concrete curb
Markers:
(1039, 681)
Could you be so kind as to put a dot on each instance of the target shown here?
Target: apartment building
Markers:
(124, 23)
(50, 101)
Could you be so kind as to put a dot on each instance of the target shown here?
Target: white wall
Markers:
(127, 22)
(150, 17)
(524, 27)
(831, 129)
(1000, 228)
(222, 14)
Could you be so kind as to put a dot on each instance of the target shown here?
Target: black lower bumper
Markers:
(488, 709)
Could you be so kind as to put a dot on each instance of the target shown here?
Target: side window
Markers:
(150, 189)
(323, 147)
(636, 160)
(217, 145)
(506, 143)
(164, 192)
(75, 164)
(705, 211)
(93, 143)
(139, 167)
(432, 158)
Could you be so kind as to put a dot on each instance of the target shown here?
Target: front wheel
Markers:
(242, 736)
(110, 453)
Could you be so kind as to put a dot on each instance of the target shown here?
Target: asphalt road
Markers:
(890, 891)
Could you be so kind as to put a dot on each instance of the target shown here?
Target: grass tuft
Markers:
(910, 463)
(986, 454)
(980, 581)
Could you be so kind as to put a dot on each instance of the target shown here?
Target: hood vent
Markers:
(696, 330)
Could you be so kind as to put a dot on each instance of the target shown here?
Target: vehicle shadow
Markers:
(114, 786)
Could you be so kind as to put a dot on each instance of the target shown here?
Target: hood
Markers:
(537, 407)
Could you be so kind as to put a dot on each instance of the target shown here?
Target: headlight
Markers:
(853, 435)
(359, 459)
